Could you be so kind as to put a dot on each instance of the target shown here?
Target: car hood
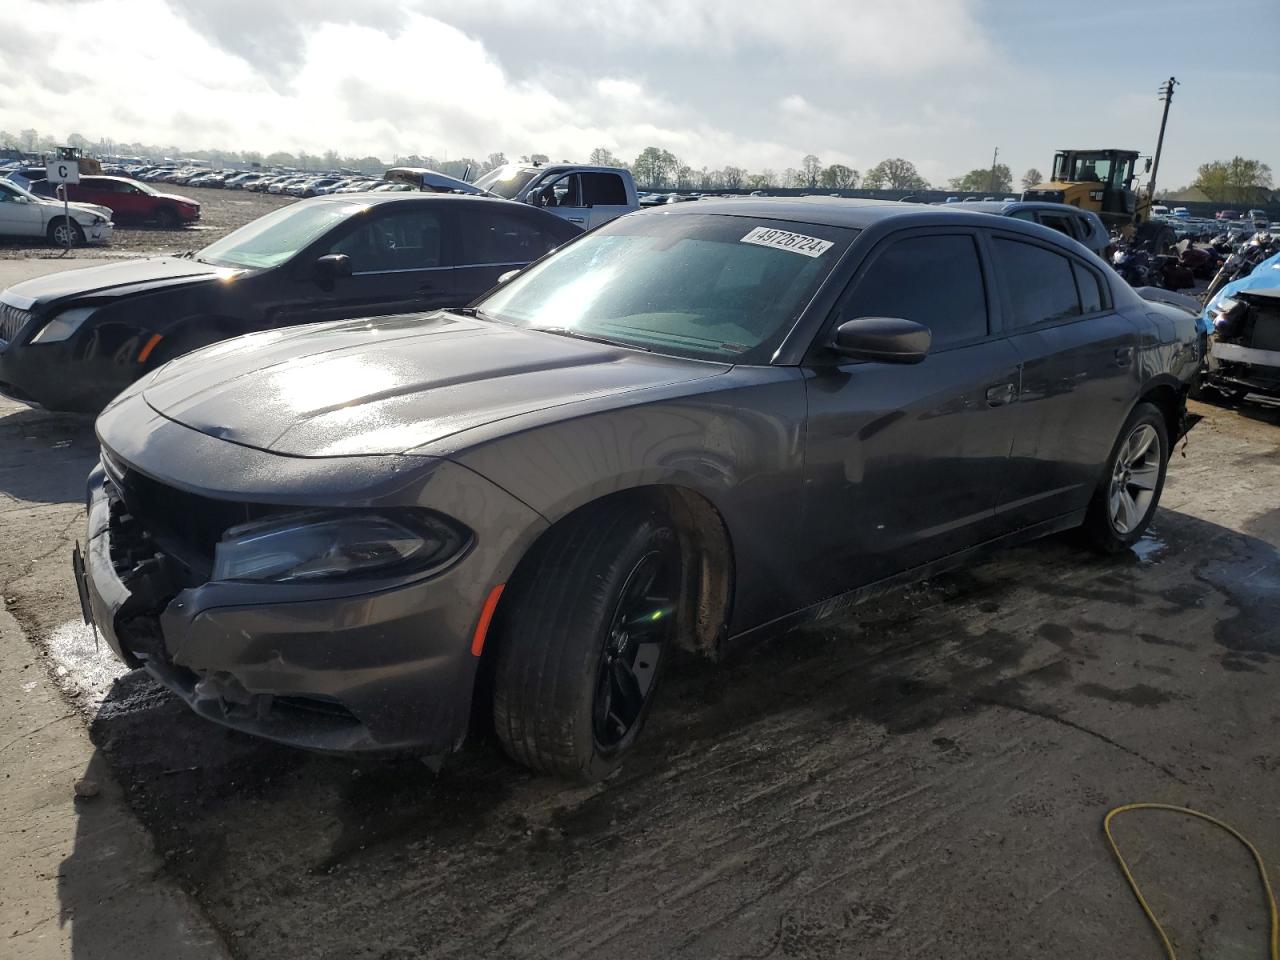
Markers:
(176, 198)
(114, 280)
(79, 206)
(392, 385)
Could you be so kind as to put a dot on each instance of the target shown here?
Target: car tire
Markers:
(57, 235)
(1128, 492)
(167, 218)
(583, 636)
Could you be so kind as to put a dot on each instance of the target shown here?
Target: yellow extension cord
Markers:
(1137, 891)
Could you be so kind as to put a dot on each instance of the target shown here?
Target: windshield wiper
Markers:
(477, 313)
(579, 335)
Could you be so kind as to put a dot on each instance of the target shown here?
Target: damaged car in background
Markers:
(1244, 347)
(687, 427)
(23, 214)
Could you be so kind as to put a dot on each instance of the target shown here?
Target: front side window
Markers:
(401, 241)
(709, 287)
(1041, 284)
(935, 281)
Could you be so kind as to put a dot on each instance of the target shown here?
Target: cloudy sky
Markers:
(754, 83)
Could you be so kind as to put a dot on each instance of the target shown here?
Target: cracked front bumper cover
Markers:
(334, 666)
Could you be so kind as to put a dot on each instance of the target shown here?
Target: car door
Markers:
(604, 195)
(19, 215)
(401, 262)
(1078, 377)
(495, 238)
(563, 197)
(902, 461)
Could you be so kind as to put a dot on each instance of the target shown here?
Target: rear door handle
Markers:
(1124, 356)
(1001, 394)
(577, 219)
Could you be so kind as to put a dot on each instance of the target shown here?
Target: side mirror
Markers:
(333, 265)
(882, 339)
(507, 276)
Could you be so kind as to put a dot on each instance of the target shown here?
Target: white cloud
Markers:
(754, 83)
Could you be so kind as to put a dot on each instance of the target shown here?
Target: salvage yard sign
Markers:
(63, 171)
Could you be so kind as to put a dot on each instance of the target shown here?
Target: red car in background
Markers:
(131, 201)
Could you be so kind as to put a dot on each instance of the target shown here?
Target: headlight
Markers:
(63, 325)
(311, 546)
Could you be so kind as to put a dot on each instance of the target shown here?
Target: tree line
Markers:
(656, 168)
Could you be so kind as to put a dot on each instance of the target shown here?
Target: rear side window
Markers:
(603, 189)
(496, 237)
(935, 281)
(1058, 221)
(1090, 289)
(1041, 284)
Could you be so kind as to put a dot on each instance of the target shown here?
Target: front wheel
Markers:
(1129, 491)
(167, 218)
(583, 638)
(65, 233)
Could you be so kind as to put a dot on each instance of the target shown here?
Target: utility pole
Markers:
(1166, 94)
(993, 169)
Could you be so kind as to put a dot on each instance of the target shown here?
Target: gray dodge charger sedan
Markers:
(688, 426)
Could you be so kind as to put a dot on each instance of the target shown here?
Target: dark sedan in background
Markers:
(689, 425)
(73, 340)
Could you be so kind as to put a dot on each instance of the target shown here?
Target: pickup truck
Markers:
(584, 195)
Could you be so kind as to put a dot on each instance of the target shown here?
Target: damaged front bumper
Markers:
(334, 667)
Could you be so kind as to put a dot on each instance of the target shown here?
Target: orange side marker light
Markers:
(486, 615)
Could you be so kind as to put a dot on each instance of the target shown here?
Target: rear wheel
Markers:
(1129, 491)
(63, 232)
(583, 638)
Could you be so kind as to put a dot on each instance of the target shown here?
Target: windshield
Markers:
(273, 239)
(709, 287)
(507, 181)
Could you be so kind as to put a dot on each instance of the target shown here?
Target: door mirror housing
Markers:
(333, 265)
(882, 340)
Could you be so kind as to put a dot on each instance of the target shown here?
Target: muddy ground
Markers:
(221, 211)
(924, 778)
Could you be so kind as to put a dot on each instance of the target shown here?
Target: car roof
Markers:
(838, 211)
(404, 196)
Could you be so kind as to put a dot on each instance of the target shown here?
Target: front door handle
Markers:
(1124, 356)
(1001, 394)
(577, 219)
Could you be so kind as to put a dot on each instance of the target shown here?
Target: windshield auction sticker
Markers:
(782, 240)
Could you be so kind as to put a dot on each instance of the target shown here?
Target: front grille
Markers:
(12, 320)
(185, 526)
(1262, 323)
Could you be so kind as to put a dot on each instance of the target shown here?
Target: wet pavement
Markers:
(925, 776)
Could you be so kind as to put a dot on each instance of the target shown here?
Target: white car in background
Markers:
(23, 214)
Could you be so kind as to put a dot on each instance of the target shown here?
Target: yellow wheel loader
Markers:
(1102, 181)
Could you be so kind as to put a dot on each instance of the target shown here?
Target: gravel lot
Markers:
(221, 211)
(925, 777)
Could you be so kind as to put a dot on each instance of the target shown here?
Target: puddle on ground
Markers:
(88, 670)
(1150, 549)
